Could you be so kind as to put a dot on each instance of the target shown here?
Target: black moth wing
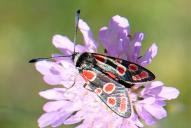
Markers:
(115, 98)
(123, 71)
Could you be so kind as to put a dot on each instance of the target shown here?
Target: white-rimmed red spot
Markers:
(111, 74)
(108, 88)
(89, 75)
(111, 101)
(123, 104)
(136, 77)
(100, 58)
(121, 70)
(133, 67)
(98, 91)
(143, 74)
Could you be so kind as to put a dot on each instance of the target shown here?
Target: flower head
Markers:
(73, 103)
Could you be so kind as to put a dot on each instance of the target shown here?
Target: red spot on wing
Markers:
(111, 75)
(121, 69)
(133, 67)
(100, 58)
(108, 88)
(123, 104)
(143, 75)
(89, 75)
(111, 101)
(98, 91)
(136, 77)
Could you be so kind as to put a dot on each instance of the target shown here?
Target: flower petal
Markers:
(148, 100)
(48, 68)
(76, 118)
(149, 55)
(52, 79)
(53, 94)
(53, 118)
(64, 44)
(56, 105)
(46, 119)
(169, 93)
(88, 36)
(156, 111)
(146, 116)
(117, 22)
(136, 46)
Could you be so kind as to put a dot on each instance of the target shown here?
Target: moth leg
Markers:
(72, 83)
(86, 86)
(139, 57)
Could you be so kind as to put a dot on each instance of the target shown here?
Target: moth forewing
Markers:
(123, 70)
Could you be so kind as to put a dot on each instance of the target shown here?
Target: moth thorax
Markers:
(76, 58)
(83, 60)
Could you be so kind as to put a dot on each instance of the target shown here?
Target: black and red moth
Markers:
(109, 77)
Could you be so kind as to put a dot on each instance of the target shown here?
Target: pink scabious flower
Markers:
(72, 103)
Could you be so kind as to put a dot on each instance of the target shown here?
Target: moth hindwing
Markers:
(112, 93)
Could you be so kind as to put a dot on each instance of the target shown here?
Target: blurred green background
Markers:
(27, 27)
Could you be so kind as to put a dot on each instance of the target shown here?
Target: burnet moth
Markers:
(109, 77)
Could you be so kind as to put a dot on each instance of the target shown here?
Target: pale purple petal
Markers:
(53, 94)
(119, 23)
(85, 125)
(160, 102)
(59, 121)
(169, 93)
(46, 119)
(56, 105)
(134, 119)
(76, 118)
(146, 116)
(148, 56)
(88, 36)
(158, 90)
(156, 111)
(48, 68)
(136, 47)
(55, 80)
(148, 100)
(64, 44)
(52, 118)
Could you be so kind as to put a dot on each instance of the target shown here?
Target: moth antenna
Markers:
(77, 17)
(38, 59)
(45, 58)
